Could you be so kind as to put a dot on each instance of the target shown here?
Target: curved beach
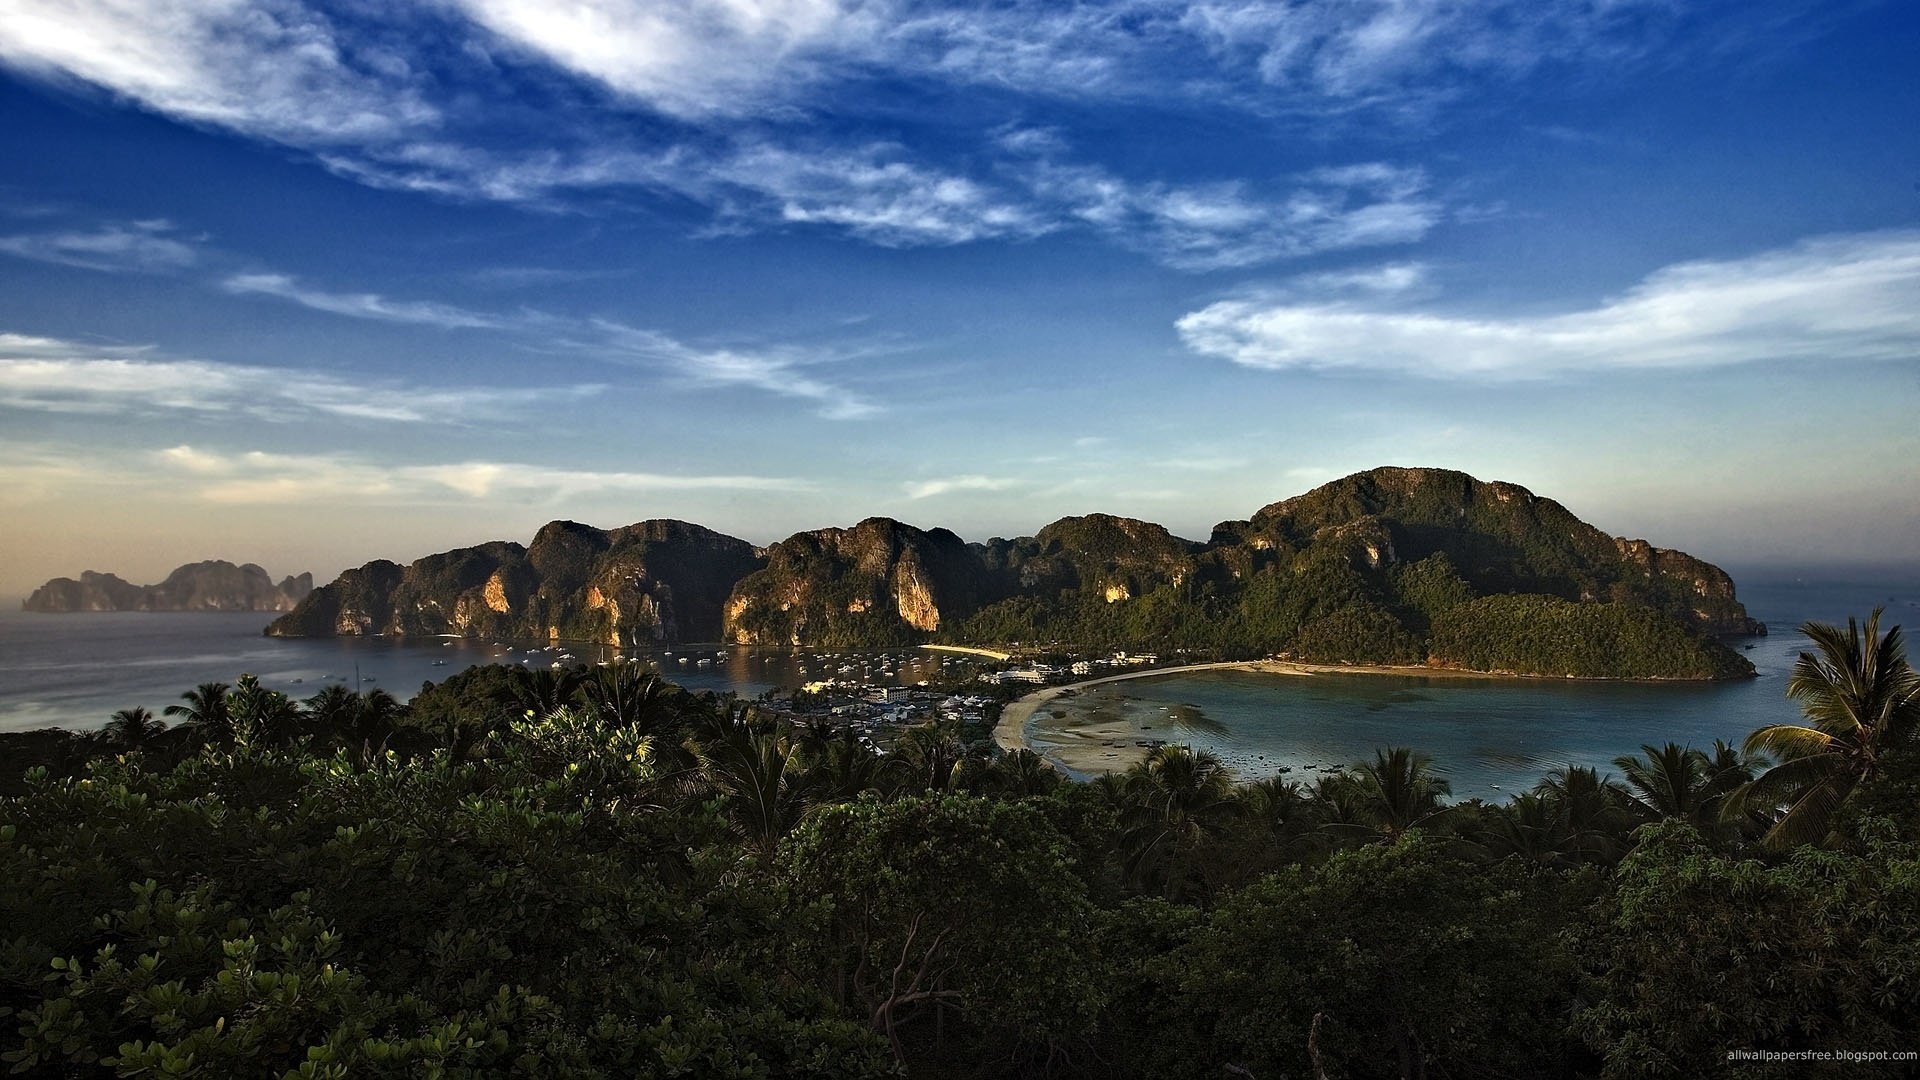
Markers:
(1112, 750)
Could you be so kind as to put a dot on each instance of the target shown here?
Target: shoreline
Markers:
(1010, 731)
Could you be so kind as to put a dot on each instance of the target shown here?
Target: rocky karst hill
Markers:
(1384, 566)
(215, 585)
(656, 581)
(879, 583)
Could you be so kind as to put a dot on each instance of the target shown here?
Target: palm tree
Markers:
(132, 727)
(1590, 810)
(1020, 773)
(543, 690)
(759, 774)
(1174, 801)
(206, 711)
(1674, 781)
(1862, 700)
(1398, 791)
(625, 695)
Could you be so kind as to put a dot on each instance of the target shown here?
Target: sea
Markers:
(75, 670)
(1488, 737)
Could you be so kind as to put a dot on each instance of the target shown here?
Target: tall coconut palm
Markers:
(1591, 811)
(1861, 699)
(206, 710)
(1674, 781)
(1174, 801)
(131, 728)
(1398, 791)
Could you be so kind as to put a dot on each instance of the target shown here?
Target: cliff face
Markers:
(656, 581)
(215, 585)
(1370, 567)
(878, 583)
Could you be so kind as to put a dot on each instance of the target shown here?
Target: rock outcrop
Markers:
(878, 583)
(1366, 568)
(656, 581)
(215, 585)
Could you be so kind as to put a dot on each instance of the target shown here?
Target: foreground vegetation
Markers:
(596, 874)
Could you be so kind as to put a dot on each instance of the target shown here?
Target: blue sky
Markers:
(309, 284)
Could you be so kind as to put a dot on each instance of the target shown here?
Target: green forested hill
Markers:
(1362, 570)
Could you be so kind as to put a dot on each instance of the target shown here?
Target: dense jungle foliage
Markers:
(592, 873)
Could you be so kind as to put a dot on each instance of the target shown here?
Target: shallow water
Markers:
(1490, 738)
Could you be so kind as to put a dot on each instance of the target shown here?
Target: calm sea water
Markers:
(1489, 738)
(74, 670)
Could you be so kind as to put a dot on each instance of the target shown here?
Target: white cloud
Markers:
(774, 369)
(271, 69)
(49, 375)
(874, 194)
(1834, 299)
(1224, 225)
(362, 305)
(260, 477)
(142, 246)
(1399, 53)
(927, 489)
(689, 58)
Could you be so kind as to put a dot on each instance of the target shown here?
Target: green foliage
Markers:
(947, 901)
(1542, 635)
(1699, 954)
(1418, 962)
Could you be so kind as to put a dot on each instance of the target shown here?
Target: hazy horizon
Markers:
(309, 284)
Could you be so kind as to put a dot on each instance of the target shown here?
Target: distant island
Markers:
(215, 585)
(1393, 566)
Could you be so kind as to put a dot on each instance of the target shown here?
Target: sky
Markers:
(309, 284)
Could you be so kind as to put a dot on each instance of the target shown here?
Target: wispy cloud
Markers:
(1829, 300)
(138, 246)
(363, 305)
(779, 113)
(946, 485)
(271, 69)
(874, 194)
(1226, 225)
(775, 369)
(50, 375)
(261, 477)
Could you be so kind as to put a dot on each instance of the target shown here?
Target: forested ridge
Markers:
(1381, 567)
(589, 872)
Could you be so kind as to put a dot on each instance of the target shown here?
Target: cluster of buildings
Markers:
(1042, 674)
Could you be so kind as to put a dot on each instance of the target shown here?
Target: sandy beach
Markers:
(1101, 745)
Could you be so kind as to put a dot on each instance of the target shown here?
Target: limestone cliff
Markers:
(1381, 566)
(878, 583)
(656, 581)
(215, 585)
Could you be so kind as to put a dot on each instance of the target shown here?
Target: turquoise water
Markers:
(1488, 737)
(75, 670)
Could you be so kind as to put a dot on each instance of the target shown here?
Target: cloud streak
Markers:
(355, 88)
(264, 478)
(363, 305)
(777, 370)
(138, 247)
(927, 489)
(50, 375)
(1853, 298)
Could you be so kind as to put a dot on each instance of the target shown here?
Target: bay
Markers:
(1488, 737)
